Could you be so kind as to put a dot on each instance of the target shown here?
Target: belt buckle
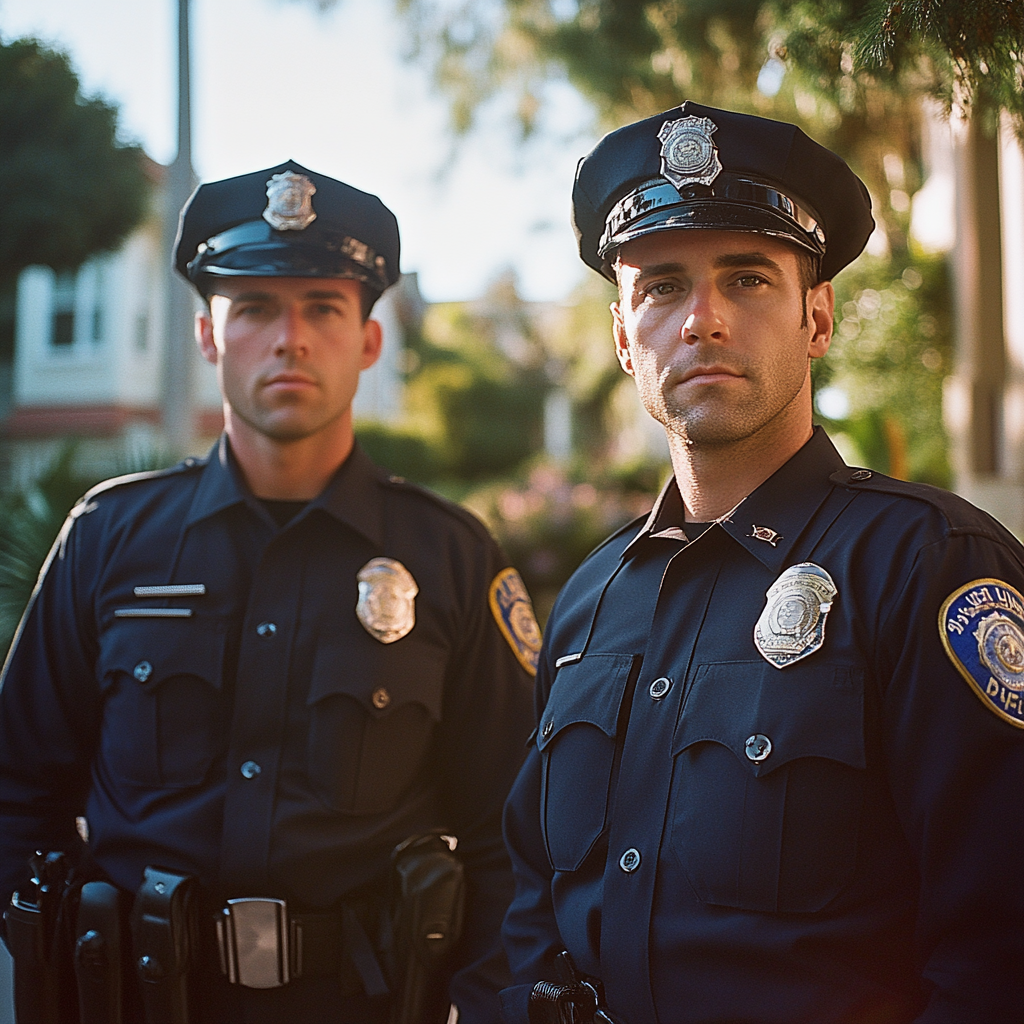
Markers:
(255, 942)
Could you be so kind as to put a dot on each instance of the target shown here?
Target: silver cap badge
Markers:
(290, 202)
(689, 155)
(792, 624)
(386, 595)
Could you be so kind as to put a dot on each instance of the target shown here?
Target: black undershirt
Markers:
(282, 512)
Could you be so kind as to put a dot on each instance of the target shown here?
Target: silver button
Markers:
(266, 629)
(381, 698)
(546, 731)
(861, 474)
(250, 769)
(630, 860)
(758, 747)
(660, 687)
(143, 671)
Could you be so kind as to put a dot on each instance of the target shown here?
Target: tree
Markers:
(68, 187)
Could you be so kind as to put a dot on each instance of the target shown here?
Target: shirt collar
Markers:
(352, 496)
(770, 520)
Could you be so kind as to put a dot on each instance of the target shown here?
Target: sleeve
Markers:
(530, 932)
(49, 715)
(486, 720)
(955, 768)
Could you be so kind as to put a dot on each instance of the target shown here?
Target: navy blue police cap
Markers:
(700, 167)
(286, 221)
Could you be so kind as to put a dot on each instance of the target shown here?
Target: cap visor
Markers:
(714, 215)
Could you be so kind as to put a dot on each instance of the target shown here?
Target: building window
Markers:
(63, 335)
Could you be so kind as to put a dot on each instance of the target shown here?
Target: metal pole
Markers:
(179, 344)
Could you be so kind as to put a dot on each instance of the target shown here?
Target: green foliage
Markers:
(892, 351)
(478, 391)
(68, 189)
(400, 449)
(549, 521)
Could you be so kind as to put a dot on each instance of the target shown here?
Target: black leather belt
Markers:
(262, 945)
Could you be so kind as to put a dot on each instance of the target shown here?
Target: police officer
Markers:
(267, 668)
(776, 772)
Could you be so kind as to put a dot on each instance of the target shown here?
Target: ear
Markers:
(622, 352)
(821, 304)
(204, 336)
(373, 340)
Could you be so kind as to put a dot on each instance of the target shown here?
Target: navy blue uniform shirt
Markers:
(255, 734)
(721, 840)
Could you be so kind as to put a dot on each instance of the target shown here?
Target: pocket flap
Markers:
(152, 650)
(588, 690)
(807, 710)
(381, 678)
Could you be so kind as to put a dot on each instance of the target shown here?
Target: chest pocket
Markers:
(164, 720)
(768, 784)
(576, 740)
(373, 712)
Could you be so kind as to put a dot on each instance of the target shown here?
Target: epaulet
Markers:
(457, 511)
(960, 515)
(85, 503)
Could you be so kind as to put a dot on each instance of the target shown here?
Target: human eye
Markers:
(750, 280)
(660, 289)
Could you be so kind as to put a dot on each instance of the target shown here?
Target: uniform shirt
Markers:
(253, 733)
(719, 839)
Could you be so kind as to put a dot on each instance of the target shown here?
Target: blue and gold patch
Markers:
(982, 629)
(513, 612)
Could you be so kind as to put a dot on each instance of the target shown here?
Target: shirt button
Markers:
(266, 629)
(630, 860)
(758, 747)
(381, 698)
(143, 671)
(250, 769)
(660, 687)
(546, 731)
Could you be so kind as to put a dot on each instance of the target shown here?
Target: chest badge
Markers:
(387, 593)
(513, 612)
(982, 630)
(792, 624)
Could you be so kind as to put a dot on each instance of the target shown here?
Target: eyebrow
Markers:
(258, 296)
(725, 261)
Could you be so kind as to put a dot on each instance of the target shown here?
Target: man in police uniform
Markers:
(269, 667)
(776, 773)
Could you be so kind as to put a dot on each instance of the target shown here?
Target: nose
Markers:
(290, 336)
(703, 320)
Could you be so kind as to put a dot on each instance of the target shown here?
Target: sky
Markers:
(277, 79)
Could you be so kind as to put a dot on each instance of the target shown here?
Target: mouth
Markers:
(289, 380)
(709, 374)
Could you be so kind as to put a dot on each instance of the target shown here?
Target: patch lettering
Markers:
(982, 630)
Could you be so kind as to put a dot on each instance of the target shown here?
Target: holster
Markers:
(428, 912)
(165, 940)
(579, 999)
(44, 988)
(102, 956)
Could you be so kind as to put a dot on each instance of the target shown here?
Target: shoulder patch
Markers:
(513, 612)
(982, 630)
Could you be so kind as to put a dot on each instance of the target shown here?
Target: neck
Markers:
(289, 470)
(714, 478)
